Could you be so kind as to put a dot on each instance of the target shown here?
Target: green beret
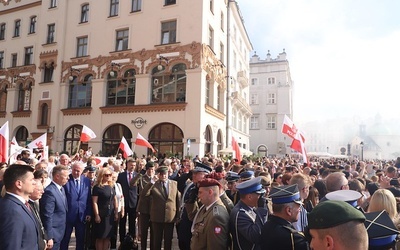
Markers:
(332, 213)
(149, 164)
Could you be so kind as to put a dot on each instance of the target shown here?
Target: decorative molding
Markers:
(18, 114)
(19, 8)
(3, 114)
(165, 107)
(212, 111)
(76, 111)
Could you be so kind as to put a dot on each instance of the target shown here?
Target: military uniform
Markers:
(278, 234)
(210, 228)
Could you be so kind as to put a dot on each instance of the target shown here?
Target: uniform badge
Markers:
(217, 230)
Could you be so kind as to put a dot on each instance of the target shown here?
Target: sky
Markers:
(343, 54)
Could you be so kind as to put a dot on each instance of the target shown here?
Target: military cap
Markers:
(162, 170)
(200, 167)
(215, 175)
(251, 186)
(380, 228)
(330, 213)
(209, 182)
(232, 177)
(246, 175)
(285, 194)
(349, 196)
(149, 164)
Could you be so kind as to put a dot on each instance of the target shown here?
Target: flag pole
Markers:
(116, 154)
(78, 146)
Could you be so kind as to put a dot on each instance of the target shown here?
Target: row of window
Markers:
(165, 88)
(239, 121)
(270, 81)
(271, 122)
(271, 99)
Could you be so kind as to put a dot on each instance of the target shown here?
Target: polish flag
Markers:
(298, 145)
(236, 148)
(140, 141)
(124, 146)
(14, 141)
(288, 127)
(87, 134)
(4, 137)
(40, 142)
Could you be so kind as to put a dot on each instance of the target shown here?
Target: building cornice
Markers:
(19, 8)
(164, 107)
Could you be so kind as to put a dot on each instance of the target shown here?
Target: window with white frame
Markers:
(221, 52)
(222, 21)
(271, 121)
(271, 98)
(240, 121)
(53, 3)
(212, 6)
(136, 5)
(85, 13)
(208, 86)
(234, 59)
(24, 97)
(211, 37)
(14, 60)
(271, 80)
(219, 99)
(254, 99)
(32, 25)
(122, 40)
(2, 31)
(254, 120)
(168, 32)
(169, 2)
(1, 59)
(169, 87)
(254, 81)
(82, 46)
(234, 121)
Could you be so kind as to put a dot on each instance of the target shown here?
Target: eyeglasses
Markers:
(107, 175)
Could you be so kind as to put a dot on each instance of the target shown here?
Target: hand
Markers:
(116, 216)
(50, 244)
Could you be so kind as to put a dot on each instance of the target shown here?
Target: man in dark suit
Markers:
(130, 199)
(34, 205)
(18, 227)
(53, 207)
(79, 199)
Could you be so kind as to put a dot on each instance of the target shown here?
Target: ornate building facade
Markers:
(171, 70)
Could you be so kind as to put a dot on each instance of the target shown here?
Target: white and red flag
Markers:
(4, 144)
(236, 148)
(140, 141)
(87, 134)
(289, 129)
(38, 143)
(124, 146)
(298, 145)
(14, 141)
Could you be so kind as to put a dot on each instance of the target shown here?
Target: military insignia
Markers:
(215, 211)
(217, 230)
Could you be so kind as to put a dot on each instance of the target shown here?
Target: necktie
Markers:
(164, 188)
(77, 185)
(130, 176)
(27, 206)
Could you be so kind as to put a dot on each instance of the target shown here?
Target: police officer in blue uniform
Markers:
(279, 233)
(246, 218)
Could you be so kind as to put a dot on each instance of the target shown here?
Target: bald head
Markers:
(336, 181)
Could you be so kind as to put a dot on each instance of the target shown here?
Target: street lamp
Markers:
(362, 150)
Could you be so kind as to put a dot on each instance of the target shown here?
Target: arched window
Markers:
(121, 91)
(166, 138)
(24, 97)
(219, 140)
(169, 87)
(112, 137)
(22, 136)
(208, 138)
(262, 150)
(80, 93)
(71, 139)
(45, 115)
(3, 98)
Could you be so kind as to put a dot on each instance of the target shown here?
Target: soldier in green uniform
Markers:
(210, 228)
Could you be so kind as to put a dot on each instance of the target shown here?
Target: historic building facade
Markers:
(158, 68)
(271, 98)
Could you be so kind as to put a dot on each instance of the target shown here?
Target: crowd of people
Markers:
(210, 202)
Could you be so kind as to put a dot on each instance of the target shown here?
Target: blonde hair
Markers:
(100, 176)
(383, 199)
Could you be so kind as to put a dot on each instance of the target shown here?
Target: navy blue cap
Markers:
(251, 186)
(232, 176)
(246, 175)
(200, 167)
(285, 194)
(349, 196)
(380, 228)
